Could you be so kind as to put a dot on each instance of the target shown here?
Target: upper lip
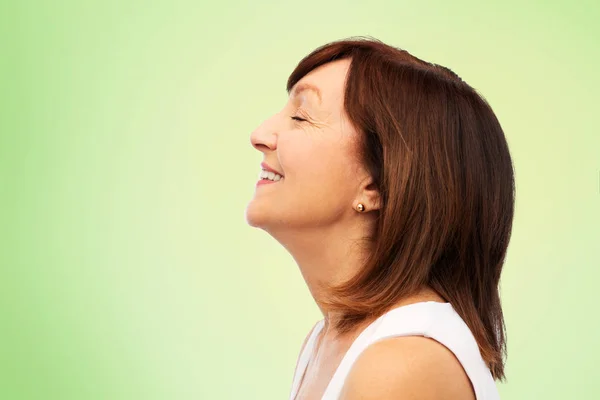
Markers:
(266, 167)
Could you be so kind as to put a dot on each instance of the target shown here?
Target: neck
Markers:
(332, 255)
(326, 256)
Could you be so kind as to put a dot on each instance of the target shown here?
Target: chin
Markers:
(256, 217)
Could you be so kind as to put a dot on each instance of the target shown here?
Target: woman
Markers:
(389, 181)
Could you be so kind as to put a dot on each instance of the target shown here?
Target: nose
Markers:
(264, 138)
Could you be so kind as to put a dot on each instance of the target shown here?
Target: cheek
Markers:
(318, 169)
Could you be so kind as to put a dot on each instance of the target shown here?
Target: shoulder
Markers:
(407, 368)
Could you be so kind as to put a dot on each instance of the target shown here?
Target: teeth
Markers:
(272, 176)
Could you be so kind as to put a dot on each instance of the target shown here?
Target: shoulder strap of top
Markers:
(435, 320)
(304, 358)
(449, 329)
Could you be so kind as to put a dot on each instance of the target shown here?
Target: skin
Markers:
(312, 213)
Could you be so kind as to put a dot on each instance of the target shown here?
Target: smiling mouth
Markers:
(269, 176)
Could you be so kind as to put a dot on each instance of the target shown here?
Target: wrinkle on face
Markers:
(323, 115)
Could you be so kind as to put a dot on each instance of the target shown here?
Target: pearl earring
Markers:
(360, 207)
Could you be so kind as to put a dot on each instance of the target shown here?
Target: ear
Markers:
(369, 194)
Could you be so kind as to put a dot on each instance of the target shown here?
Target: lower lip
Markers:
(265, 182)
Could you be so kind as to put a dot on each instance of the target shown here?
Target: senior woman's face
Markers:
(313, 145)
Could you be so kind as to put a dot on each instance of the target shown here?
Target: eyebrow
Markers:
(307, 86)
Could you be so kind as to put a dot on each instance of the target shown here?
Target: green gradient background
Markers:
(127, 270)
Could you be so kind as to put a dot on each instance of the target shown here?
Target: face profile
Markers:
(313, 146)
(389, 181)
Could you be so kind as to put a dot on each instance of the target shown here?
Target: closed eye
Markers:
(298, 119)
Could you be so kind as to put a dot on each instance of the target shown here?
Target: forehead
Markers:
(326, 83)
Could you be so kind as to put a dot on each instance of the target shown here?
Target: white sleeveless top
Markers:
(431, 319)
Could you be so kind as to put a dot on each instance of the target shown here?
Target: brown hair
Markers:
(440, 160)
